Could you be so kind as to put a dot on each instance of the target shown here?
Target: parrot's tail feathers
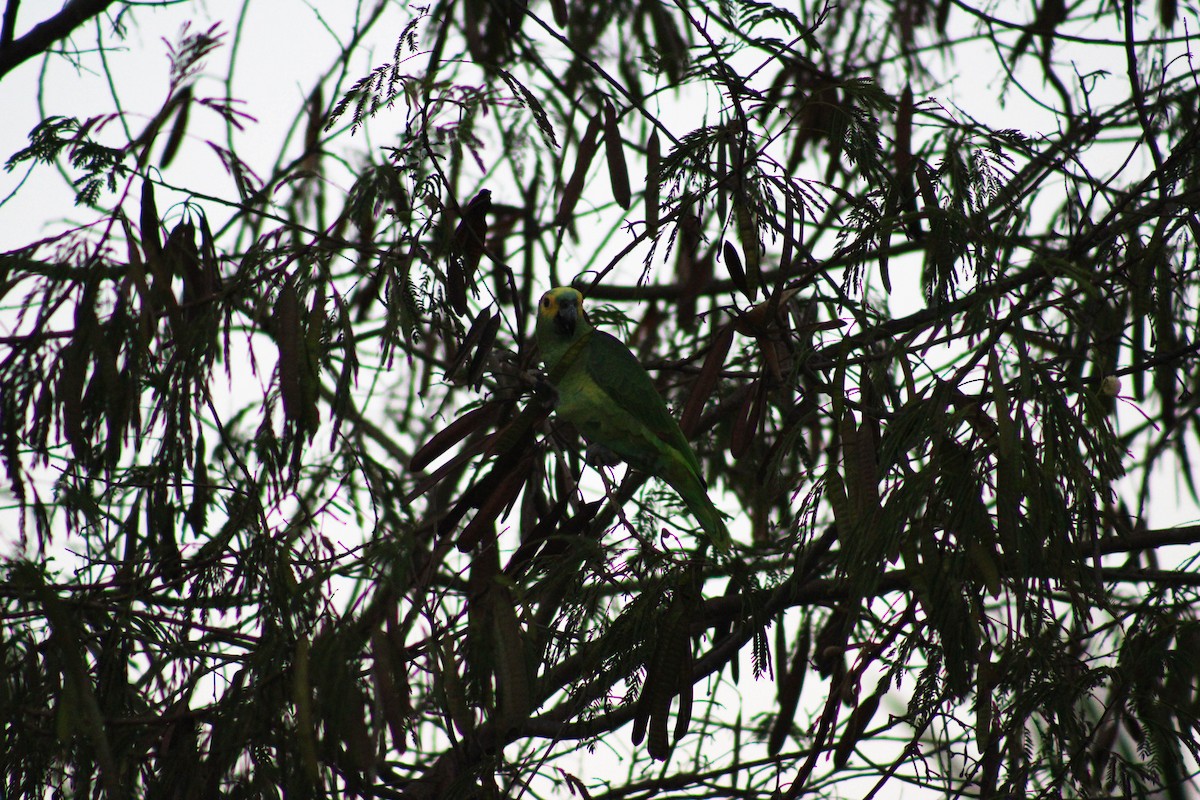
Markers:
(691, 489)
(710, 519)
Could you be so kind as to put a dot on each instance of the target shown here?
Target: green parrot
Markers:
(606, 394)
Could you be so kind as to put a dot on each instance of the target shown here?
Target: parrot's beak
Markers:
(567, 316)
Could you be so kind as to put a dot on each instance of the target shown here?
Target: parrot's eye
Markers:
(546, 301)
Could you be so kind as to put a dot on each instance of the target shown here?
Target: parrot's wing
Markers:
(621, 376)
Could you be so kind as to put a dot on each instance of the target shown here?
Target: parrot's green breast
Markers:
(609, 397)
(601, 418)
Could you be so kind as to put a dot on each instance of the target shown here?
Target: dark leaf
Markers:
(583, 160)
(653, 183)
(470, 422)
(733, 262)
(746, 423)
(856, 726)
(706, 382)
(614, 150)
(183, 105)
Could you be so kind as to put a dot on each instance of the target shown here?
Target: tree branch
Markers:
(9, 25)
(14, 52)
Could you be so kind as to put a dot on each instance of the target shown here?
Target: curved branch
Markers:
(38, 40)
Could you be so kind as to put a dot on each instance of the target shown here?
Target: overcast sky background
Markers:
(286, 45)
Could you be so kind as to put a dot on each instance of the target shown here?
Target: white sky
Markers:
(288, 44)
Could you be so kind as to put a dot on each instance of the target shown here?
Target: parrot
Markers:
(605, 392)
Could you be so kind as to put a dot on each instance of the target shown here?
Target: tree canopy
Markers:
(289, 512)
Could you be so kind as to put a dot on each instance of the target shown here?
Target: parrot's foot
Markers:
(600, 456)
(545, 392)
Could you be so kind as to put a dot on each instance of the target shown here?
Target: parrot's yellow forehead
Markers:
(553, 299)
